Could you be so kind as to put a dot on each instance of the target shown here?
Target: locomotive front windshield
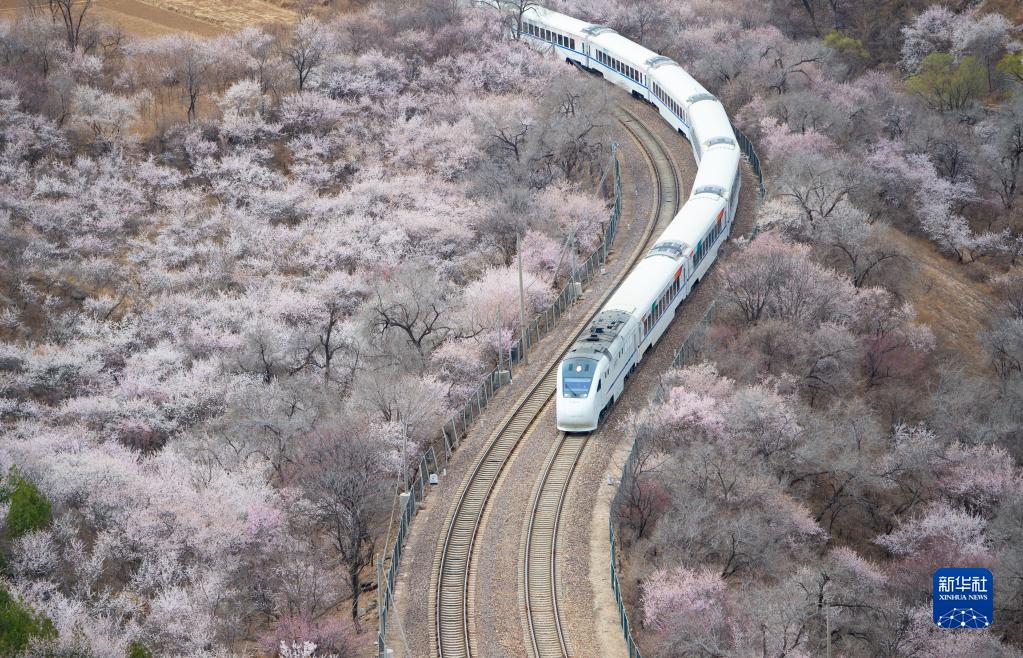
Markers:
(576, 376)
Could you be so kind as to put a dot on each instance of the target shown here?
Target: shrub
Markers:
(19, 624)
(948, 85)
(29, 508)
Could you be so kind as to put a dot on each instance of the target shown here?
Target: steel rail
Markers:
(452, 596)
(539, 553)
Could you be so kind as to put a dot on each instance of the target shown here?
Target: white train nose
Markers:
(576, 415)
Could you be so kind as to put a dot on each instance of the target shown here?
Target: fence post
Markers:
(450, 431)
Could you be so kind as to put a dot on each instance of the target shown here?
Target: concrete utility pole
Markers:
(522, 302)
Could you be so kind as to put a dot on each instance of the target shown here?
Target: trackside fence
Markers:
(688, 352)
(412, 500)
(457, 427)
(751, 155)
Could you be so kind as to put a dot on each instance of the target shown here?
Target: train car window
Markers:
(600, 384)
(577, 376)
(571, 44)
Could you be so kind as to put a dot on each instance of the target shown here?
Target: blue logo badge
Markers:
(964, 598)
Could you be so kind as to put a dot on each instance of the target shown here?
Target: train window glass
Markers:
(571, 44)
(577, 376)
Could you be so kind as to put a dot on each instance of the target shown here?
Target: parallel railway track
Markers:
(453, 580)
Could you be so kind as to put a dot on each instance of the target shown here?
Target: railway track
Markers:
(539, 554)
(452, 584)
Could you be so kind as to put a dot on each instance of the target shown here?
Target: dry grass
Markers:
(1012, 9)
(148, 18)
(228, 14)
(952, 304)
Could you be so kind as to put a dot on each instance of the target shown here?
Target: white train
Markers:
(593, 373)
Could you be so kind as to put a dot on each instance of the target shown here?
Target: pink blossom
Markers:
(678, 599)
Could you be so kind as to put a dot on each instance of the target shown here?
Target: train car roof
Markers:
(676, 81)
(555, 20)
(710, 121)
(620, 47)
(636, 294)
(600, 334)
(717, 170)
(694, 220)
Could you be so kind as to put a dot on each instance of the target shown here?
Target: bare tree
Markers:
(413, 303)
(517, 9)
(326, 345)
(306, 49)
(342, 479)
(1004, 150)
(193, 68)
(72, 15)
(816, 185)
(848, 231)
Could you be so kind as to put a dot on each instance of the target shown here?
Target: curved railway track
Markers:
(452, 583)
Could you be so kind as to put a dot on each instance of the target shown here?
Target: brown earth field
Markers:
(158, 17)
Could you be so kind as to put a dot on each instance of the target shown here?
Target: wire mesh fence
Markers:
(690, 349)
(751, 155)
(688, 352)
(410, 501)
(623, 615)
(457, 427)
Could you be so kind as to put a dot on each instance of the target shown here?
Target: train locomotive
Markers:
(593, 373)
